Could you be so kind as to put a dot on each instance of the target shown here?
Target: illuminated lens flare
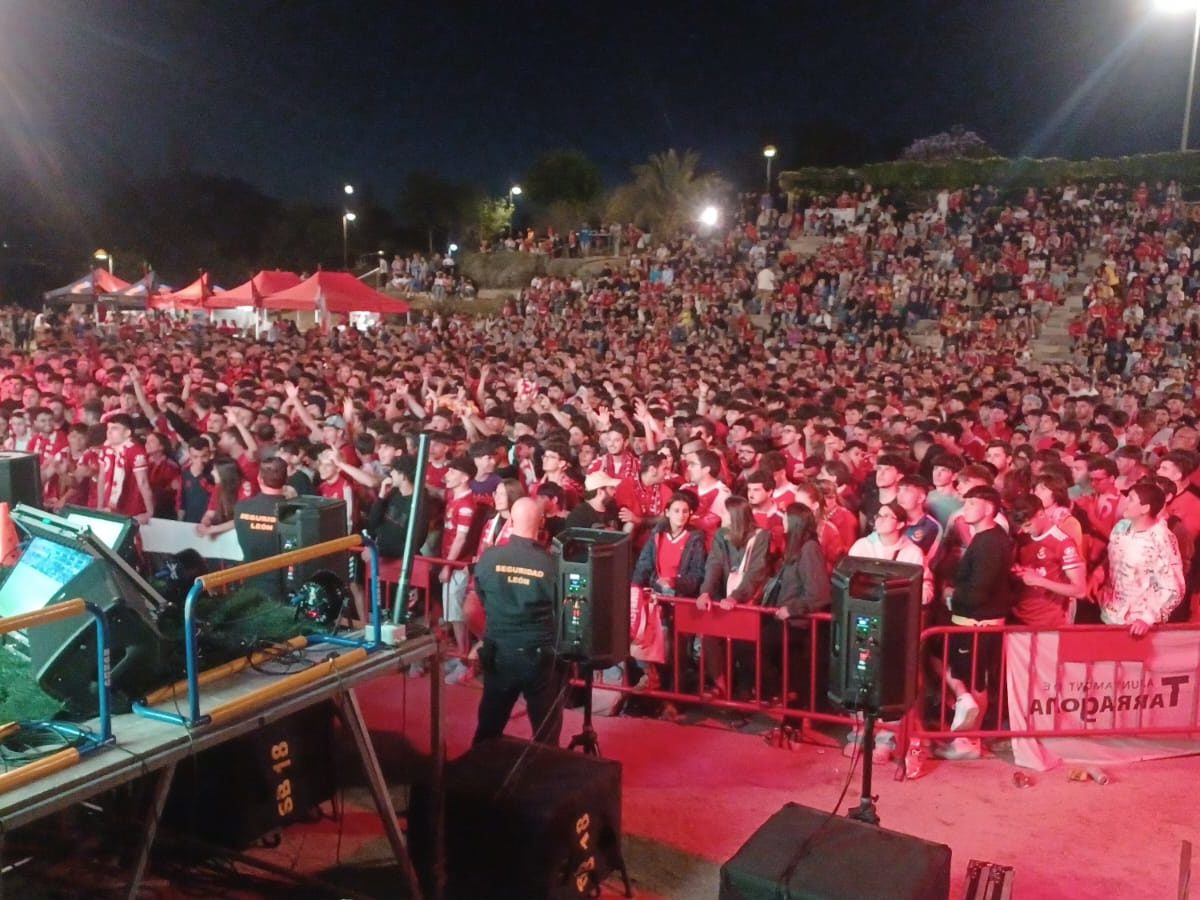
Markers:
(709, 216)
(1176, 6)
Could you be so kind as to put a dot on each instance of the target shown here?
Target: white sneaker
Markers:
(454, 671)
(966, 713)
(960, 748)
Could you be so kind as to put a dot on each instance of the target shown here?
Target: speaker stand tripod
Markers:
(587, 740)
(866, 801)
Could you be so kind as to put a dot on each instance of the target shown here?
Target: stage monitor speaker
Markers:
(20, 478)
(593, 592)
(61, 561)
(804, 853)
(305, 521)
(525, 821)
(236, 792)
(876, 635)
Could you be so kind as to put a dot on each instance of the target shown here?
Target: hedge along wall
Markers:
(997, 170)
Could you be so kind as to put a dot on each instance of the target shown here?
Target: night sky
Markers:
(297, 96)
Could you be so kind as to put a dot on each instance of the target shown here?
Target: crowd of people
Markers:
(749, 416)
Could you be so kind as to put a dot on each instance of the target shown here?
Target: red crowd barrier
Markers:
(1088, 646)
(747, 625)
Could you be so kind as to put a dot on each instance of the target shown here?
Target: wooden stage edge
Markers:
(147, 746)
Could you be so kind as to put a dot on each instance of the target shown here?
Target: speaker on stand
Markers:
(873, 650)
(305, 521)
(592, 627)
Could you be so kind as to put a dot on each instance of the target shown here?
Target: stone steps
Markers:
(1052, 345)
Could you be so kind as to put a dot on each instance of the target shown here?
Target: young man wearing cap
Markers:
(598, 509)
(982, 596)
(460, 539)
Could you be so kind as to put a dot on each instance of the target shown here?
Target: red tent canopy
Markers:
(250, 293)
(139, 294)
(334, 292)
(190, 297)
(98, 281)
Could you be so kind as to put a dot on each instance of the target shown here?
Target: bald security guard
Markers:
(517, 583)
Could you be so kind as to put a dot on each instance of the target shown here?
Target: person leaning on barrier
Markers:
(735, 573)
(517, 584)
(800, 588)
(1144, 579)
(672, 564)
(982, 596)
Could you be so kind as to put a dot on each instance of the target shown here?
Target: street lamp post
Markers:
(1192, 6)
(513, 192)
(104, 256)
(347, 218)
(769, 152)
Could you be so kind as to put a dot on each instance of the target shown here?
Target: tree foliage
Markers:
(492, 218)
(957, 143)
(1022, 172)
(436, 206)
(667, 192)
(562, 175)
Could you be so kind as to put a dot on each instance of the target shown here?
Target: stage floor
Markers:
(693, 793)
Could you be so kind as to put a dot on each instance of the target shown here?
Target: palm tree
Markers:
(666, 192)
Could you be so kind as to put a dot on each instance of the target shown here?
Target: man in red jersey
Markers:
(124, 472)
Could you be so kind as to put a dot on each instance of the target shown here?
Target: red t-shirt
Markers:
(772, 523)
(340, 488)
(435, 476)
(163, 475)
(245, 492)
(668, 554)
(1051, 555)
(460, 516)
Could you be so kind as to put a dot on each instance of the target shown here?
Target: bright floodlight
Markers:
(708, 216)
(100, 255)
(350, 217)
(349, 189)
(454, 248)
(515, 190)
(769, 151)
(1176, 6)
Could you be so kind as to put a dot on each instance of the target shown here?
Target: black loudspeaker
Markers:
(63, 561)
(305, 521)
(876, 635)
(808, 855)
(20, 478)
(525, 821)
(593, 612)
(233, 794)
